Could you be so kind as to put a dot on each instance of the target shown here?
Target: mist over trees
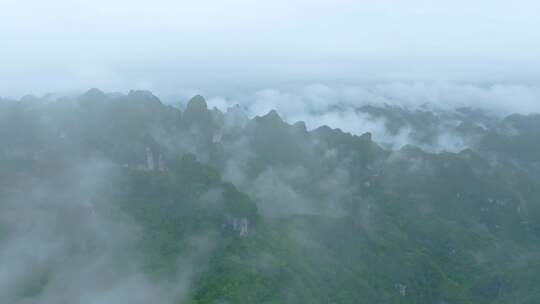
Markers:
(120, 198)
(284, 151)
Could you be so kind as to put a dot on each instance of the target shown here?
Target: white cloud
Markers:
(336, 105)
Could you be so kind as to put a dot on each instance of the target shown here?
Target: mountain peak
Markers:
(366, 136)
(94, 94)
(197, 104)
(300, 126)
(272, 116)
(142, 95)
(197, 112)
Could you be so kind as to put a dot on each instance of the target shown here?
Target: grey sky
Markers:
(169, 45)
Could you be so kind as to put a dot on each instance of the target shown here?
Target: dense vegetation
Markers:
(262, 211)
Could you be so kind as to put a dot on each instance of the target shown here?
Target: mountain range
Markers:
(121, 198)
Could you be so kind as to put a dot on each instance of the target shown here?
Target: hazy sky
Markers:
(168, 45)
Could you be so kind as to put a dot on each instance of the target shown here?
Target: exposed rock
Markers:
(244, 228)
(240, 226)
(402, 289)
(161, 163)
(149, 159)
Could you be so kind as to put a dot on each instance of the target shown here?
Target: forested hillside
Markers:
(115, 196)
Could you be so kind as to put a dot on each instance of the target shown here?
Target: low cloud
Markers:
(340, 106)
(59, 245)
(298, 101)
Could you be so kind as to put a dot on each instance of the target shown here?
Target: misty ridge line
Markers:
(291, 99)
(386, 110)
(388, 127)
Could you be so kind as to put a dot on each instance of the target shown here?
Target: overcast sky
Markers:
(168, 45)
